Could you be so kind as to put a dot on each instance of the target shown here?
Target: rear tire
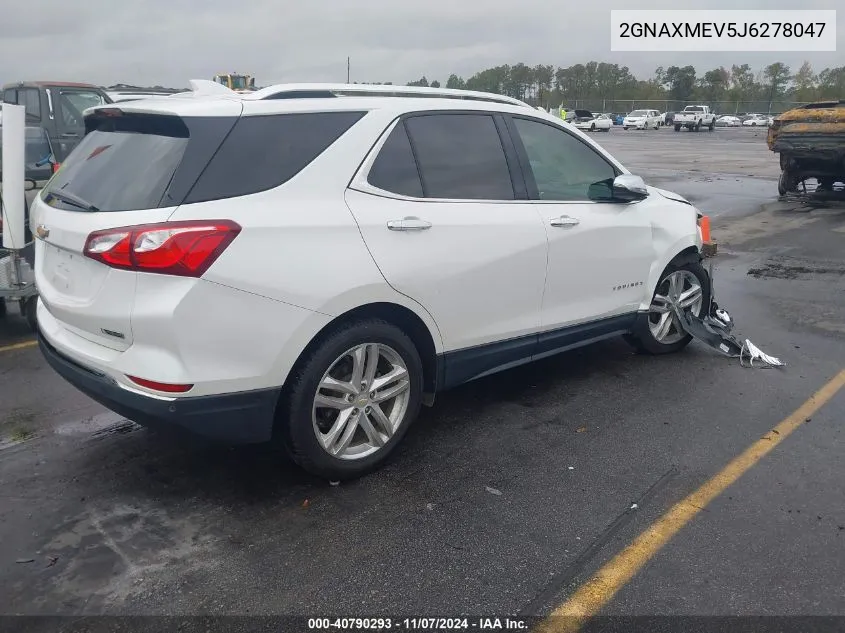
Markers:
(677, 128)
(646, 335)
(306, 429)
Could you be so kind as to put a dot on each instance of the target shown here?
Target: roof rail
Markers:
(321, 90)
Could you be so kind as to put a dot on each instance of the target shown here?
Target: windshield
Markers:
(639, 113)
(74, 102)
(238, 82)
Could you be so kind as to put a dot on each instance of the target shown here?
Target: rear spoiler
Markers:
(204, 88)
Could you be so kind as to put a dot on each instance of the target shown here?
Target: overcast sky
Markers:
(167, 42)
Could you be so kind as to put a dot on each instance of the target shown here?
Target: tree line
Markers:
(550, 86)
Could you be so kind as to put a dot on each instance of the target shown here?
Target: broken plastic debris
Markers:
(306, 503)
(429, 506)
(25, 560)
(634, 506)
(334, 483)
(571, 467)
(581, 429)
(493, 491)
(714, 329)
(752, 352)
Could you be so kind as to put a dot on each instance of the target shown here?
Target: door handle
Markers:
(408, 224)
(565, 221)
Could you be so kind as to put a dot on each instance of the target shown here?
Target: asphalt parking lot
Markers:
(508, 495)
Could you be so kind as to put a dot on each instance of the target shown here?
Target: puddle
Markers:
(120, 428)
(104, 424)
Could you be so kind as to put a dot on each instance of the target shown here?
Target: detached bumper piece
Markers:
(236, 418)
(714, 330)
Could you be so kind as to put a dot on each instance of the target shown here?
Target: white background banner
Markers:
(723, 30)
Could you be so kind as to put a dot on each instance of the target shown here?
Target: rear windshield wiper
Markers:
(71, 199)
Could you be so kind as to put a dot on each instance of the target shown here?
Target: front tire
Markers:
(351, 400)
(785, 183)
(659, 331)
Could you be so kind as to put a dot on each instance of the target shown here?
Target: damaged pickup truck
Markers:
(811, 144)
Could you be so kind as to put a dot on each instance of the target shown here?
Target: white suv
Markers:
(310, 265)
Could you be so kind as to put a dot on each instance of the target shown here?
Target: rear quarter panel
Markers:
(300, 246)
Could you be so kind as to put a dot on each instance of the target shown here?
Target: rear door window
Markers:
(395, 169)
(460, 156)
(263, 152)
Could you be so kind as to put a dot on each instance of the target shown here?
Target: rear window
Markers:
(140, 161)
(126, 163)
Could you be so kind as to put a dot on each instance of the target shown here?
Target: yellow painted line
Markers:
(594, 594)
(24, 345)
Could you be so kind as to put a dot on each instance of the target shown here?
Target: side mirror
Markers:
(30, 185)
(629, 188)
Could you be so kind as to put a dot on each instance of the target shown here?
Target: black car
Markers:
(57, 107)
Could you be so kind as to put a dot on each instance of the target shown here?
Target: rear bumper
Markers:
(236, 418)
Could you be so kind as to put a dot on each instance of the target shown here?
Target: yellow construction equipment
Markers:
(234, 81)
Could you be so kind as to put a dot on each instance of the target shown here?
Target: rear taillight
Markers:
(55, 167)
(185, 248)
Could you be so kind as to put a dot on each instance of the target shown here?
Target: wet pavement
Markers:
(506, 494)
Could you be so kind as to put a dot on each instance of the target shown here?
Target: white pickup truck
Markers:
(695, 117)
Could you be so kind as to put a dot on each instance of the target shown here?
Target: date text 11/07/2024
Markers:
(418, 624)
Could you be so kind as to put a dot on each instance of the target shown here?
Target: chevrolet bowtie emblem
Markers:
(42, 231)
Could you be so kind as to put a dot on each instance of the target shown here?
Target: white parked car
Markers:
(281, 266)
(757, 120)
(642, 119)
(586, 120)
(728, 121)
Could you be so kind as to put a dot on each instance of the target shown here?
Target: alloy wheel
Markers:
(679, 290)
(361, 401)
